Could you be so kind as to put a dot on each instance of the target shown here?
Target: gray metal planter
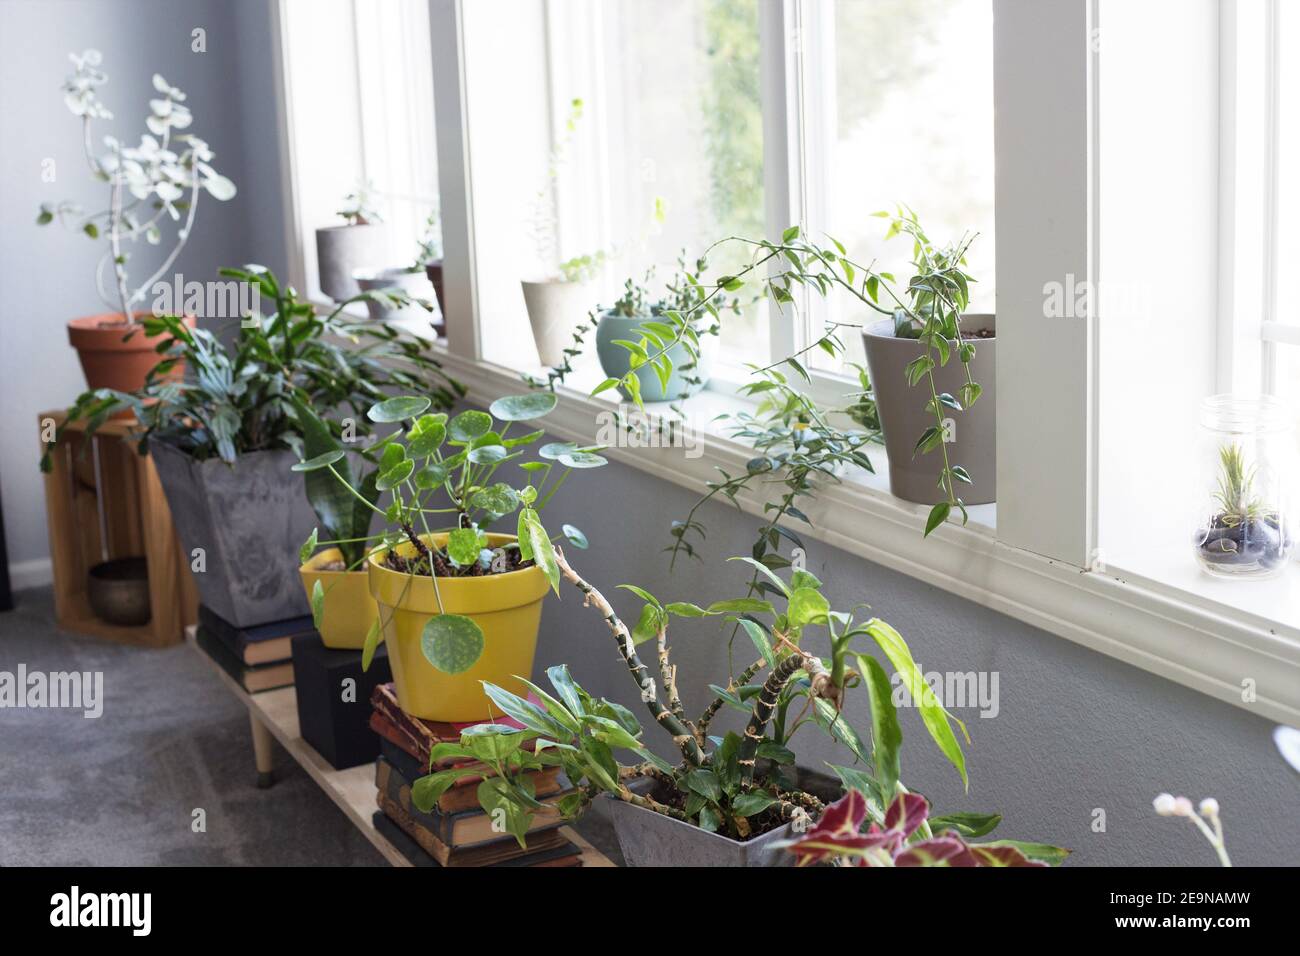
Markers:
(903, 415)
(652, 839)
(250, 520)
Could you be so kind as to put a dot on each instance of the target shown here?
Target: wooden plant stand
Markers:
(108, 503)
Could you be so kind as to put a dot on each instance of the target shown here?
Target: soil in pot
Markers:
(116, 355)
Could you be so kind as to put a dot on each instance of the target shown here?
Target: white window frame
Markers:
(1047, 224)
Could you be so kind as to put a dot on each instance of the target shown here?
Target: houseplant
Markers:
(633, 327)
(430, 254)
(918, 343)
(149, 186)
(722, 800)
(458, 604)
(224, 439)
(412, 280)
(357, 244)
(558, 297)
(794, 266)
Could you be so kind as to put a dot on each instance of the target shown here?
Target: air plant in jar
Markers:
(1246, 533)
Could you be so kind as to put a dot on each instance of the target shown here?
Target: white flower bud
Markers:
(1183, 807)
(1209, 807)
(1164, 804)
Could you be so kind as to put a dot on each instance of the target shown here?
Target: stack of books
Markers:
(457, 832)
(258, 658)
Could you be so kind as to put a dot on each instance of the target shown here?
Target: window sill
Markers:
(1215, 637)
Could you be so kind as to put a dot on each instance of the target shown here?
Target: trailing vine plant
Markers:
(928, 310)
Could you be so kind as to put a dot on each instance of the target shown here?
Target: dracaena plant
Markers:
(442, 476)
(149, 186)
(738, 784)
(242, 396)
(784, 270)
(909, 836)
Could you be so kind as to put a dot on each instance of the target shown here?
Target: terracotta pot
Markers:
(114, 355)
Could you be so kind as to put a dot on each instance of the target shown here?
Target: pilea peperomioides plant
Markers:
(739, 784)
(441, 476)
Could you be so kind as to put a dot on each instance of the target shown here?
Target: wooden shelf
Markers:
(103, 501)
(275, 712)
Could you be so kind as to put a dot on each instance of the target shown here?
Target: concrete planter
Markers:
(250, 520)
(341, 250)
(414, 318)
(554, 310)
(903, 415)
(615, 360)
(652, 839)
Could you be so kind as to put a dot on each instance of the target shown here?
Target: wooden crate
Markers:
(103, 500)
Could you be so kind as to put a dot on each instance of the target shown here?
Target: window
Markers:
(359, 85)
(1282, 336)
(898, 107)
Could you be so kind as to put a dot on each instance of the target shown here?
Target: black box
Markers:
(333, 717)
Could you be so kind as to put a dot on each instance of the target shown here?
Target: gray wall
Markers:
(46, 273)
(1075, 731)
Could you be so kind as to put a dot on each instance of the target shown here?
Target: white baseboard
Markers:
(36, 573)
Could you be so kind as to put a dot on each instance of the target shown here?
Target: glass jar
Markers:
(1245, 524)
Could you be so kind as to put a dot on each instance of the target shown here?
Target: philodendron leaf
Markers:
(320, 461)
(308, 547)
(469, 425)
(452, 643)
(932, 712)
(522, 408)
(373, 637)
(317, 603)
(398, 409)
(464, 545)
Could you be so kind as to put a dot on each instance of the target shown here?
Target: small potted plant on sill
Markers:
(150, 186)
(556, 299)
(412, 282)
(630, 330)
(726, 800)
(430, 255)
(458, 605)
(224, 440)
(357, 244)
(919, 342)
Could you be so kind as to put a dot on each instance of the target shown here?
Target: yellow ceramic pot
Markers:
(349, 606)
(508, 609)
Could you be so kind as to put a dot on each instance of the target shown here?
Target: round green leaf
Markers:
(521, 408)
(575, 536)
(488, 454)
(431, 476)
(320, 461)
(452, 643)
(582, 459)
(396, 475)
(398, 409)
(557, 448)
(426, 435)
(499, 499)
(469, 425)
(464, 545)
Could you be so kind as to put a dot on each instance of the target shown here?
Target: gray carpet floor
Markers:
(122, 789)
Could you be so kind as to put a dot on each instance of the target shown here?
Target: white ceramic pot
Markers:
(554, 310)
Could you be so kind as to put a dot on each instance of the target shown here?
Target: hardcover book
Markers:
(253, 679)
(562, 854)
(261, 644)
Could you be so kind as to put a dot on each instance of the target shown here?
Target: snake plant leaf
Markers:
(452, 643)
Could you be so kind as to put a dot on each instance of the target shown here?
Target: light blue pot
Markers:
(616, 361)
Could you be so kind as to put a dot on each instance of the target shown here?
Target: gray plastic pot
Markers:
(903, 415)
(341, 250)
(250, 520)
